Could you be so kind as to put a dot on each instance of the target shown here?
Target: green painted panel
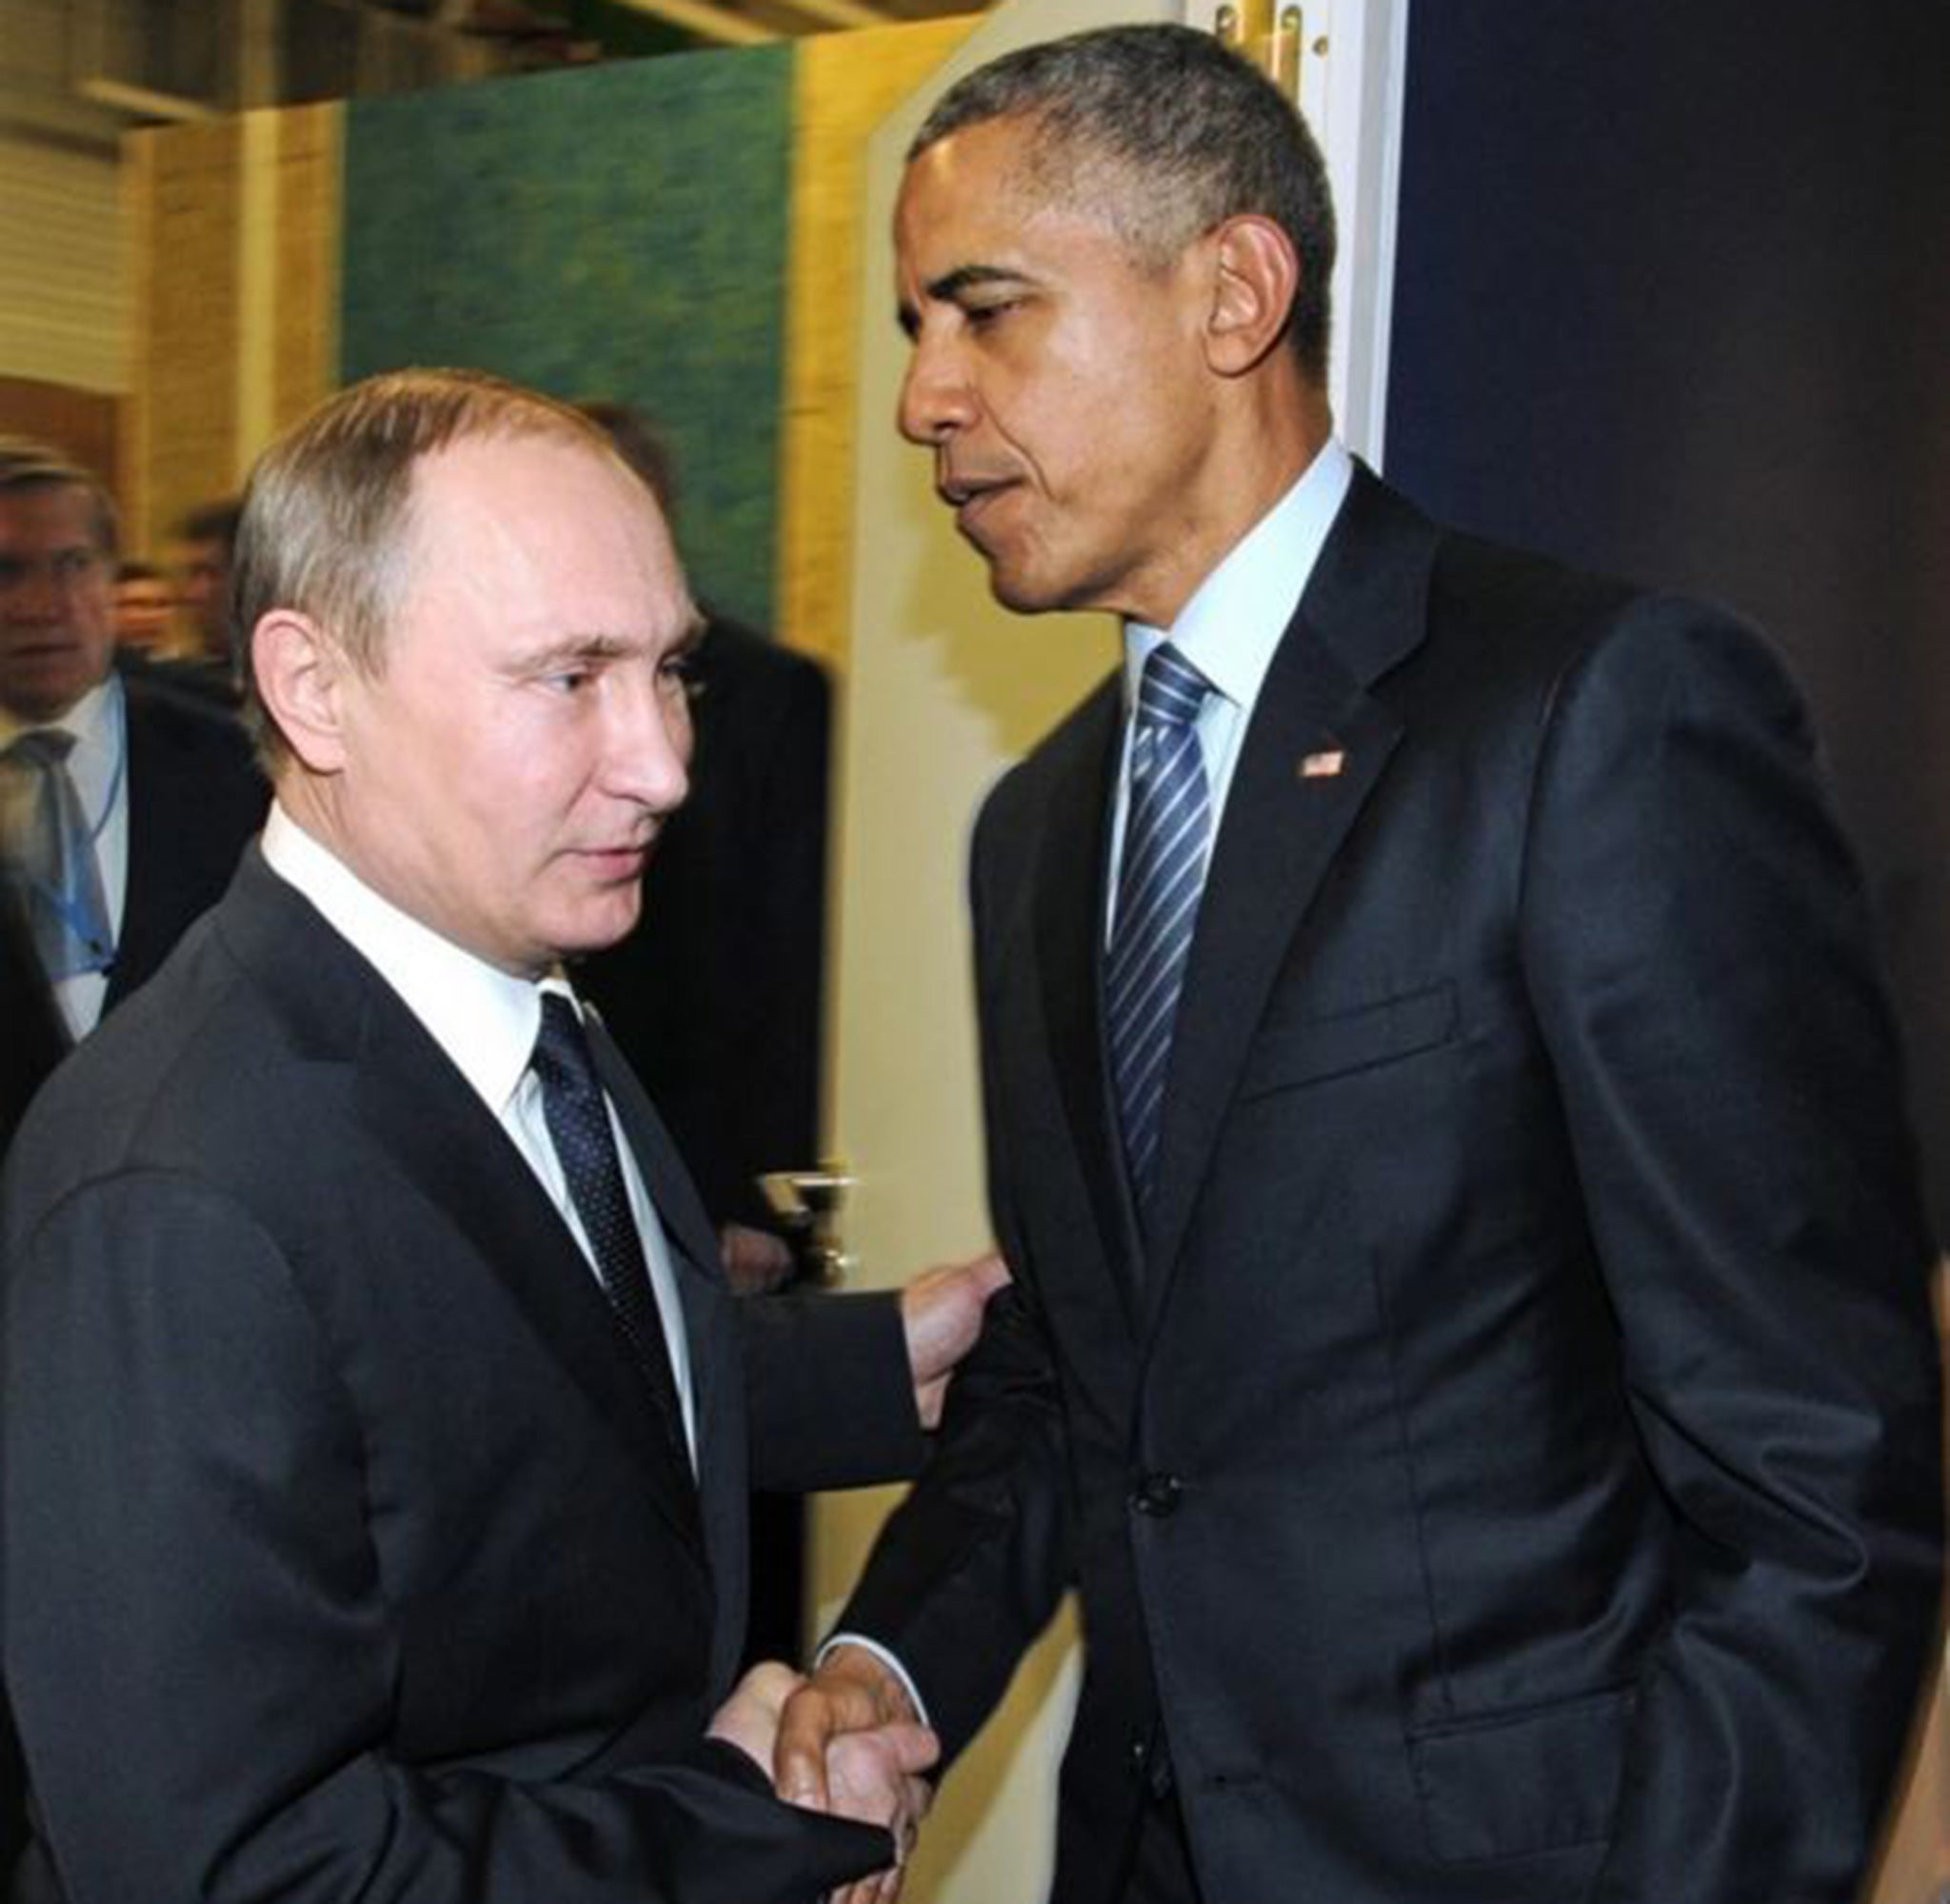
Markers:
(616, 230)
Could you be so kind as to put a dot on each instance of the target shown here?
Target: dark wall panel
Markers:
(1670, 302)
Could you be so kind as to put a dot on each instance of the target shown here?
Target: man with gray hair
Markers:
(125, 810)
(377, 1420)
(1469, 1349)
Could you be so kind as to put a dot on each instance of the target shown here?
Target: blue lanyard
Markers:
(73, 916)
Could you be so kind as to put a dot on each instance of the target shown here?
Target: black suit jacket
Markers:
(195, 799)
(342, 1554)
(715, 999)
(1504, 1465)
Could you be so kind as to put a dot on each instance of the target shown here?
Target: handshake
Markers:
(846, 1740)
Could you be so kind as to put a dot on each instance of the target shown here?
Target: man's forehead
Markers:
(541, 527)
(56, 512)
(982, 196)
(533, 463)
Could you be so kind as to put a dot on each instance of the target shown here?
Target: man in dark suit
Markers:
(1469, 1348)
(169, 796)
(167, 791)
(730, 954)
(377, 1422)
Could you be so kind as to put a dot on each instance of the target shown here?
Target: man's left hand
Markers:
(941, 1310)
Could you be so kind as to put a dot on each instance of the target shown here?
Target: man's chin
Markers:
(37, 690)
(1023, 594)
(598, 927)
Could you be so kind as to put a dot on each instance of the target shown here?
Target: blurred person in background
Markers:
(123, 808)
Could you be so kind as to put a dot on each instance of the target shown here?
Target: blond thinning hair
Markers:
(326, 526)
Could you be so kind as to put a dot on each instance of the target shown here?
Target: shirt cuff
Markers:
(885, 1658)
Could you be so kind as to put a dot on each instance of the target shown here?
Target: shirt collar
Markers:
(96, 723)
(1233, 623)
(92, 720)
(483, 1018)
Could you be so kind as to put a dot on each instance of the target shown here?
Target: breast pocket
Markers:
(1304, 1051)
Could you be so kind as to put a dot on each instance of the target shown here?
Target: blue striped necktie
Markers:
(55, 861)
(1167, 833)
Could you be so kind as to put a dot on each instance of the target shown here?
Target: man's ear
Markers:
(1256, 276)
(300, 674)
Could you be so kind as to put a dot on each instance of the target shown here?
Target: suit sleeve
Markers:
(970, 1567)
(831, 1395)
(1695, 947)
(201, 1651)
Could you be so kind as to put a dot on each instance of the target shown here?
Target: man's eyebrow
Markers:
(951, 286)
(575, 648)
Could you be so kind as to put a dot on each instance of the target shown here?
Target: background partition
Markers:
(636, 231)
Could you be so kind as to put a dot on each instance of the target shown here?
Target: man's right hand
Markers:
(854, 1698)
(869, 1772)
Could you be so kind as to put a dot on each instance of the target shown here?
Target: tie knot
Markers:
(40, 748)
(561, 1047)
(1172, 690)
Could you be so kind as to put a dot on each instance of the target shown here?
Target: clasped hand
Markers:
(845, 1742)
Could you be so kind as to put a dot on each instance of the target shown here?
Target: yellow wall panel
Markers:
(309, 206)
(845, 84)
(185, 186)
(235, 239)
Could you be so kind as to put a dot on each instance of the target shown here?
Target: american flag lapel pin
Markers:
(1322, 765)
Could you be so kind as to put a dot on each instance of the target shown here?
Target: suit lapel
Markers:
(154, 818)
(721, 1496)
(1290, 811)
(1281, 832)
(693, 1250)
(423, 1115)
(1069, 947)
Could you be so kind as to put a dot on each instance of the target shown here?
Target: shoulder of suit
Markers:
(1077, 747)
(182, 718)
(163, 723)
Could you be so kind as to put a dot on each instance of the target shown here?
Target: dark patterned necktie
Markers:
(55, 856)
(578, 1118)
(1168, 830)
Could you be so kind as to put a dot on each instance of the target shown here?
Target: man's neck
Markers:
(1255, 461)
(18, 721)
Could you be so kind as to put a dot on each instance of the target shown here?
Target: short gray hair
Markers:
(1173, 133)
(327, 511)
(26, 464)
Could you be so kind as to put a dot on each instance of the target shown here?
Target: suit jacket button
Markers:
(1156, 1495)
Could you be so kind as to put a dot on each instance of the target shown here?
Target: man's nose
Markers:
(936, 396)
(650, 743)
(34, 593)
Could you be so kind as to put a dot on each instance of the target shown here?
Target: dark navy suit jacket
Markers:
(1503, 1465)
(343, 1551)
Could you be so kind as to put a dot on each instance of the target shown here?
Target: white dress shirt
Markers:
(485, 1021)
(1230, 628)
(98, 765)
